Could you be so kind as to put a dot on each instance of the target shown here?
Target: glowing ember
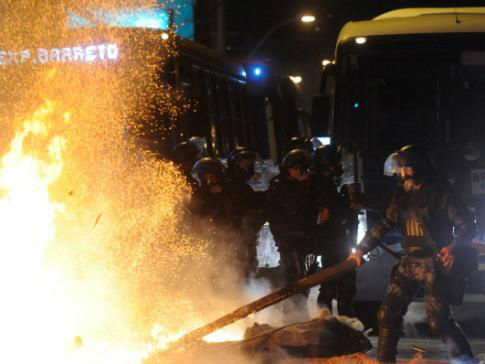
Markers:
(96, 265)
(222, 335)
(37, 318)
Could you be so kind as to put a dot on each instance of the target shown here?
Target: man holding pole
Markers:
(436, 229)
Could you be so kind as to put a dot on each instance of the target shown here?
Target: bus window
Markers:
(199, 121)
(245, 122)
(235, 112)
(185, 82)
(224, 121)
(214, 142)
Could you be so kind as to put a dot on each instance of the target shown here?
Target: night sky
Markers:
(299, 48)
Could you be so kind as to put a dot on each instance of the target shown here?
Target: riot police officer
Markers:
(334, 233)
(209, 201)
(246, 206)
(436, 228)
(291, 217)
(184, 155)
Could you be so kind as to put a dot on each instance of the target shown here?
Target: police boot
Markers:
(457, 344)
(387, 345)
(326, 295)
(324, 302)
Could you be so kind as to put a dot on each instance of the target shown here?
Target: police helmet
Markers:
(236, 150)
(298, 157)
(235, 166)
(236, 157)
(327, 156)
(200, 143)
(418, 153)
(185, 152)
(413, 156)
(300, 143)
(208, 165)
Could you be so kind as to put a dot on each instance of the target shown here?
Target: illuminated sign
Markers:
(157, 17)
(86, 54)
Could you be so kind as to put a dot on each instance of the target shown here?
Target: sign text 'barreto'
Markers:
(87, 54)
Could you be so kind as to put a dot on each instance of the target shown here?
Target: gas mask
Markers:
(338, 170)
(408, 179)
(247, 169)
(211, 183)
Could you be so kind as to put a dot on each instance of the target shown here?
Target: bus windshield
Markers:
(429, 90)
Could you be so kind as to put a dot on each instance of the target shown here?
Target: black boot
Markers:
(387, 345)
(457, 344)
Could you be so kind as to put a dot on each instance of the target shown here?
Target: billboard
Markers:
(157, 17)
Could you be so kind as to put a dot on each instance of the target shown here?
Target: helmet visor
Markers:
(392, 165)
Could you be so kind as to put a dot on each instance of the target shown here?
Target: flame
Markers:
(38, 322)
(227, 334)
(92, 252)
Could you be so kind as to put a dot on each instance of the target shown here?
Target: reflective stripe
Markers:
(413, 228)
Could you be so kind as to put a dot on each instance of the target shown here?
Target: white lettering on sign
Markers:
(12, 57)
(24, 55)
(89, 54)
(43, 55)
(66, 55)
(78, 54)
(478, 181)
(102, 51)
(112, 51)
(55, 55)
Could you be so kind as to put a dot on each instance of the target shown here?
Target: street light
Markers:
(307, 19)
(296, 79)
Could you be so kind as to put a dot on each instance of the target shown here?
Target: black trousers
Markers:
(342, 289)
(293, 251)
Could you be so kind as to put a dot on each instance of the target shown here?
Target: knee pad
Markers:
(439, 324)
(387, 318)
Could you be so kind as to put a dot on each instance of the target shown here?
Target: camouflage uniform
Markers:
(428, 218)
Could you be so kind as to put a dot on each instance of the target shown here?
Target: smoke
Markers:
(121, 271)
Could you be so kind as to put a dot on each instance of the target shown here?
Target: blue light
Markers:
(356, 105)
(243, 73)
(257, 71)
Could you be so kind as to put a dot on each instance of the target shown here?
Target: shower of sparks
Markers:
(96, 263)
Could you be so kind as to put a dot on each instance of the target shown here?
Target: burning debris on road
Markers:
(322, 337)
(93, 254)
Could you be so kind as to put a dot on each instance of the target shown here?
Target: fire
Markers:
(230, 334)
(95, 263)
(27, 217)
(38, 322)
